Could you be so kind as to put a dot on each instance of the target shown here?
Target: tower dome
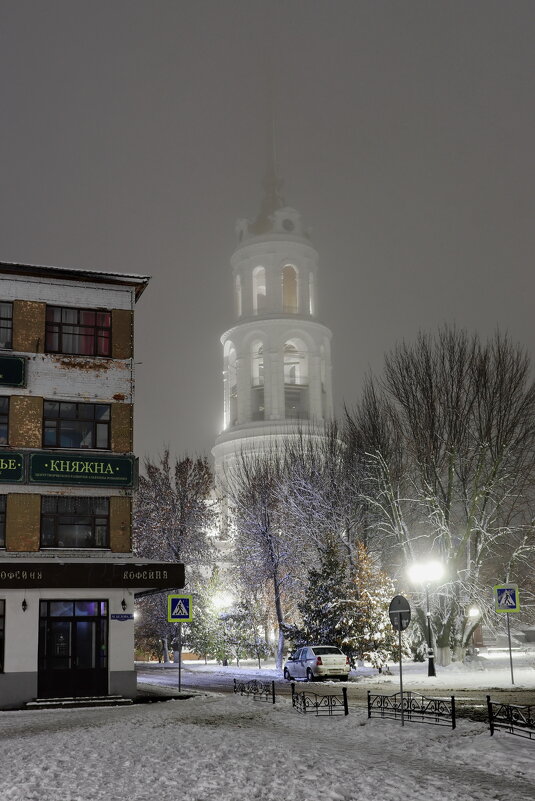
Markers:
(277, 355)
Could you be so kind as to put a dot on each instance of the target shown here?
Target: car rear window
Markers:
(324, 650)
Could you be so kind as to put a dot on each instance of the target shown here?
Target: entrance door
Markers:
(73, 648)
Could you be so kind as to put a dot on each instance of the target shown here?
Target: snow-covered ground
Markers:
(224, 747)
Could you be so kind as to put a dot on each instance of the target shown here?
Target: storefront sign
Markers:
(11, 467)
(12, 371)
(91, 573)
(81, 469)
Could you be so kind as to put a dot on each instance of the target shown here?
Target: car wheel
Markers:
(310, 675)
(287, 674)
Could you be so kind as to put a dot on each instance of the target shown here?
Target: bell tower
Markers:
(277, 355)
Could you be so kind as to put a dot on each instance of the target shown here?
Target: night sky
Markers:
(133, 135)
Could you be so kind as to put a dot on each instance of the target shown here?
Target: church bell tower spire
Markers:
(277, 356)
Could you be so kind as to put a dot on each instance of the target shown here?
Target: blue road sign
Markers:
(506, 598)
(179, 608)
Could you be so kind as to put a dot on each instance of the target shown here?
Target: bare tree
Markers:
(450, 433)
(322, 493)
(173, 514)
(266, 554)
(174, 511)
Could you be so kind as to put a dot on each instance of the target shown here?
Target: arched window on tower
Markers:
(289, 290)
(323, 369)
(296, 380)
(238, 296)
(231, 399)
(259, 290)
(257, 381)
(311, 295)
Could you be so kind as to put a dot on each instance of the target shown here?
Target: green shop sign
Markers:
(12, 371)
(79, 469)
(11, 467)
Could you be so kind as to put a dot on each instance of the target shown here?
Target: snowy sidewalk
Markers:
(228, 748)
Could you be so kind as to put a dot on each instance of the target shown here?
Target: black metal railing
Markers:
(260, 690)
(519, 720)
(320, 704)
(416, 708)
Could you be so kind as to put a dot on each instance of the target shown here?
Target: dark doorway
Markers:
(73, 649)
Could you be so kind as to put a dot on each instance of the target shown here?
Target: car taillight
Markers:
(347, 660)
(318, 661)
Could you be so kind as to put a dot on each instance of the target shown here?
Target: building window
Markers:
(259, 290)
(75, 425)
(3, 521)
(238, 296)
(311, 298)
(6, 325)
(84, 332)
(289, 290)
(4, 418)
(2, 628)
(69, 522)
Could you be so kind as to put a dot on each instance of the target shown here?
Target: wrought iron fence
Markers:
(416, 708)
(320, 704)
(260, 690)
(519, 720)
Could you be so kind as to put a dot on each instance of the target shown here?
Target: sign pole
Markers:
(180, 657)
(399, 613)
(400, 673)
(510, 649)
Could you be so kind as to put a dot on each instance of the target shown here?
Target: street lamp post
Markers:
(424, 573)
(430, 653)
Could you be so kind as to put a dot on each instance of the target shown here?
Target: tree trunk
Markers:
(280, 648)
(165, 648)
(443, 656)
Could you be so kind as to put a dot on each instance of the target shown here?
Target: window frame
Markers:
(93, 423)
(56, 516)
(6, 415)
(3, 508)
(56, 328)
(8, 327)
(2, 632)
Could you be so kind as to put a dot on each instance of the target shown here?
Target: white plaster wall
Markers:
(22, 628)
(70, 378)
(61, 292)
(273, 253)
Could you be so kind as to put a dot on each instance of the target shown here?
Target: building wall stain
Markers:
(25, 421)
(29, 326)
(23, 522)
(120, 524)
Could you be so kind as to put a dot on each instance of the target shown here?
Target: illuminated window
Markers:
(238, 296)
(257, 381)
(259, 290)
(295, 380)
(289, 290)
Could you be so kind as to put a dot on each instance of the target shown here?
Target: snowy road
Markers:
(227, 748)
(469, 687)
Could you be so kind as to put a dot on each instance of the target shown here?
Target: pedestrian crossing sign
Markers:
(506, 598)
(179, 608)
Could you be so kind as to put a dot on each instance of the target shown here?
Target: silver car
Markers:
(314, 662)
